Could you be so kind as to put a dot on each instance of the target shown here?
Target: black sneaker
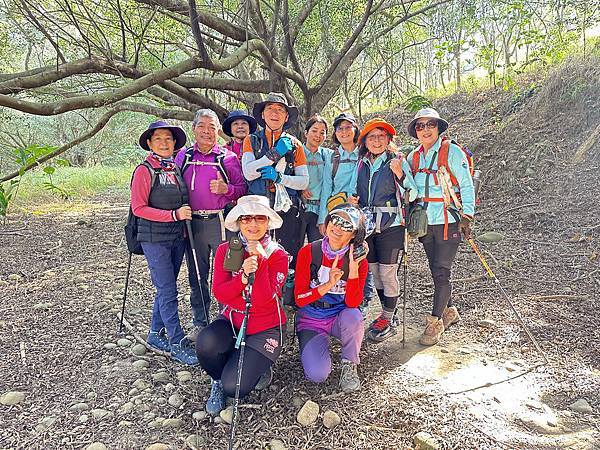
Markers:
(265, 380)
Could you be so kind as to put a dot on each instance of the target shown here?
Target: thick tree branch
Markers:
(94, 101)
(194, 17)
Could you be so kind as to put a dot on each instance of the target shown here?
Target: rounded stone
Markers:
(141, 384)
(227, 414)
(161, 377)
(308, 413)
(96, 446)
(124, 342)
(140, 364)
(331, 419)
(276, 444)
(84, 418)
(172, 423)
(196, 441)
(184, 376)
(79, 407)
(158, 446)
(176, 400)
(138, 350)
(199, 415)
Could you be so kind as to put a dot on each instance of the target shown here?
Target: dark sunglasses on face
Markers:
(259, 219)
(342, 223)
(430, 124)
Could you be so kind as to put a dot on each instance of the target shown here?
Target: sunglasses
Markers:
(258, 219)
(431, 124)
(342, 223)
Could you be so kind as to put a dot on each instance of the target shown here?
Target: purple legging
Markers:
(313, 336)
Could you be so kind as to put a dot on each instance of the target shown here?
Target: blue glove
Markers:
(269, 173)
(283, 145)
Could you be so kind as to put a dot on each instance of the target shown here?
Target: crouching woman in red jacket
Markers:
(268, 262)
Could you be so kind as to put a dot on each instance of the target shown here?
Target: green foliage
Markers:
(7, 194)
(417, 102)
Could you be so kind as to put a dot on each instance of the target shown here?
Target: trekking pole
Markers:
(190, 232)
(493, 276)
(125, 293)
(405, 270)
(241, 344)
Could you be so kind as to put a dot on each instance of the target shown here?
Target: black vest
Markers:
(260, 146)
(380, 194)
(168, 197)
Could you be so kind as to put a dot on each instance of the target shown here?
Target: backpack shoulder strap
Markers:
(189, 154)
(335, 163)
(220, 160)
(316, 257)
(152, 170)
(416, 160)
(443, 159)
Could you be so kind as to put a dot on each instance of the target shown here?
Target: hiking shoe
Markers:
(159, 340)
(450, 316)
(265, 379)
(349, 381)
(216, 401)
(434, 328)
(380, 330)
(192, 336)
(184, 353)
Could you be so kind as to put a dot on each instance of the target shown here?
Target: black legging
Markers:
(217, 355)
(441, 254)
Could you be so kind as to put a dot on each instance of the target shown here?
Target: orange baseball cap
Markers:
(377, 122)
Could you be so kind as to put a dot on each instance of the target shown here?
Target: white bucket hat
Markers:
(430, 113)
(252, 205)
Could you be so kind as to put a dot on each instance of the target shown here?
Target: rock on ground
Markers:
(158, 446)
(581, 406)
(172, 423)
(227, 414)
(12, 398)
(96, 446)
(196, 442)
(425, 441)
(276, 444)
(331, 419)
(308, 413)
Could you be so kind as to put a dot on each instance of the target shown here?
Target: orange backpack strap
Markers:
(416, 159)
(443, 159)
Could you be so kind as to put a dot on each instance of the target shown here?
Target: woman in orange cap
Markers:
(383, 178)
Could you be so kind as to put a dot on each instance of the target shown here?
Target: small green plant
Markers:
(6, 195)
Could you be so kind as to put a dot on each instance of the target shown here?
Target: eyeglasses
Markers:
(377, 137)
(430, 124)
(345, 128)
(258, 219)
(342, 222)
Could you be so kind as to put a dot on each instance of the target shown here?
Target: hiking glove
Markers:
(465, 227)
(283, 146)
(269, 173)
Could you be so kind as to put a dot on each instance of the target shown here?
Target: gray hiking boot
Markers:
(216, 401)
(349, 381)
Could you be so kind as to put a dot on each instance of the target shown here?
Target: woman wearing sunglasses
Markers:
(330, 277)
(383, 178)
(264, 264)
(444, 224)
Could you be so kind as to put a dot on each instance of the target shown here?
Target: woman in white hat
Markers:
(264, 263)
(445, 220)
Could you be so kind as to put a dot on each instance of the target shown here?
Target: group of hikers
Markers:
(253, 203)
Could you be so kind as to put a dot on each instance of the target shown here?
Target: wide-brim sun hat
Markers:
(237, 115)
(377, 122)
(178, 134)
(427, 113)
(252, 205)
(275, 97)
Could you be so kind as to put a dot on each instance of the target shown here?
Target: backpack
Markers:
(442, 160)
(336, 159)
(218, 163)
(131, 227)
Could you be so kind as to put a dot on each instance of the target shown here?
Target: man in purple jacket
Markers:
(214, 179)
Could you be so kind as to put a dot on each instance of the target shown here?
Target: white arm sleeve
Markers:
(299, 181)
(250, 165)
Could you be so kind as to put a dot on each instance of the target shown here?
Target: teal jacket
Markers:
(316, 163)
(345, 178)
(459, 167)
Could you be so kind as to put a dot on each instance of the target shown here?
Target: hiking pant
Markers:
(441, 254)
(313, 337)
(164, 261)
(383, 256)
(309, 228)
(289, 233)
(207, 237)
(217, 355)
